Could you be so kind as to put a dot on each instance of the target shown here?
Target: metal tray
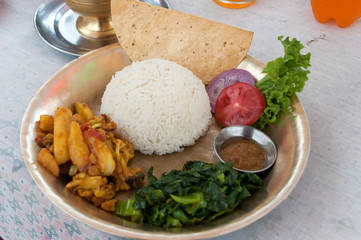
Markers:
(85, 79)
(55, 23)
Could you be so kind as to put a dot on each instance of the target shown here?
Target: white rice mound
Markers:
(158, 105)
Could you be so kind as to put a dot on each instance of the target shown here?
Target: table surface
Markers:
(325, 204)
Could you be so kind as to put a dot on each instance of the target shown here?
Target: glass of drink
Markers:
(234, 3)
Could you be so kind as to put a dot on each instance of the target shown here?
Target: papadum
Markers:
(205, 47)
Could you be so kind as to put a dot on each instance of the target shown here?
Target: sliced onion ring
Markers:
(226, 79)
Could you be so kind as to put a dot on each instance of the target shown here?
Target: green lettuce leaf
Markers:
(285, 77)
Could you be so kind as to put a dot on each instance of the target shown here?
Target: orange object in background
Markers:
(344, 12)
(234, 3)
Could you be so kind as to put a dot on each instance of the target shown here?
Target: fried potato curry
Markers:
(87, 149)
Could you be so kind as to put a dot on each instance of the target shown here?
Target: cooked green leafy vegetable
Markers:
(285, 76)
(199, 192)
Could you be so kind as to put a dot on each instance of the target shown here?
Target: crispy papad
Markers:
(205, 47)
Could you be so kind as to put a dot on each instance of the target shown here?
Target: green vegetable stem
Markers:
(197, 193)
(285, 76)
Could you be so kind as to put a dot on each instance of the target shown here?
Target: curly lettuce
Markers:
(285, 77)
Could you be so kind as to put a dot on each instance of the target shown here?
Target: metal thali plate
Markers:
(55, 23)
(85, 79)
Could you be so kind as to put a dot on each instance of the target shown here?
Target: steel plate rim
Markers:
(135, 233)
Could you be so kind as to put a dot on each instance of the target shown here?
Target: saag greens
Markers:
(285, 76)
(199, 192)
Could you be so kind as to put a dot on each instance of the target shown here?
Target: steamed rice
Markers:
(158, 105)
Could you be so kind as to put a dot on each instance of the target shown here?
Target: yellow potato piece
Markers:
(84, 111)
(62, 121)
(46, 123)
(46, 159)
(103, 155)
(78, 149)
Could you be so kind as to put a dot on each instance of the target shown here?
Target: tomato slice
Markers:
(239, 103)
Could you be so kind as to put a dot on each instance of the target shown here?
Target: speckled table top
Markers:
(325, 204)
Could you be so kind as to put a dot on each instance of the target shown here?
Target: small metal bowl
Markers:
(237, 132)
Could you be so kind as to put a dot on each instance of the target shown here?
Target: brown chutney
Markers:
(244, 154)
